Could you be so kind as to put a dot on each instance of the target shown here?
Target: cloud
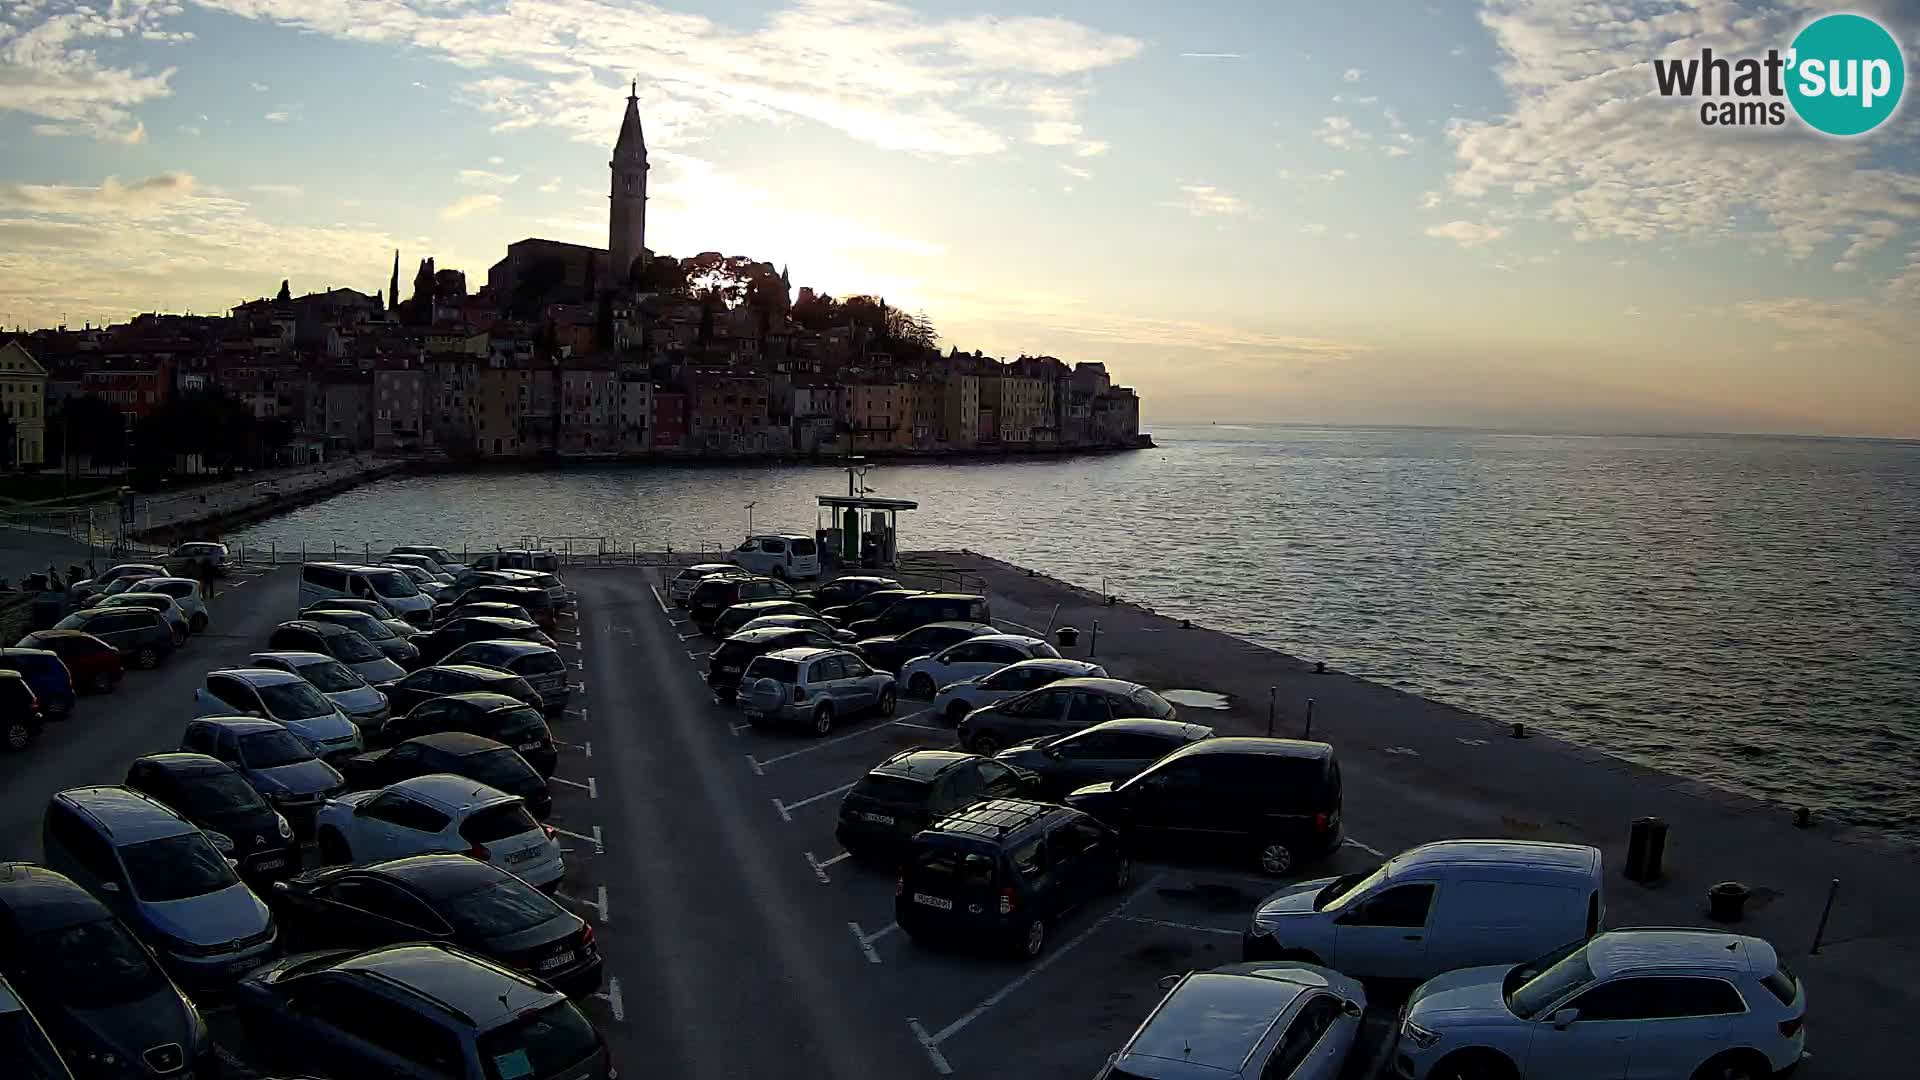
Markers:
(259, 87)
(1822, 325)
(468, 205)
(277, 117)
(1352, 75)
(1396, 151)
(1466, 233)
(496, 160)
(50, 71)
(1205, 200)
(482, 178)
(111, 198)
(551, 186)
(1211, 55)
(1429, 200)
(1075, 171)
(290, 191)
(1313, 229)
(1339, 133)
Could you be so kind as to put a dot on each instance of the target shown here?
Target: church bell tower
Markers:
(627, 211)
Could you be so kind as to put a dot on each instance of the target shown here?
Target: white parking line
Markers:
(820, 868)
(599, 848)
(591, 787)
(737, 729)
(691, 655)
(1170, 925)
(599, 906)
(866, 943)
(611, 995)
(585, 747)
(824, 743)
(922, 727)
(655, 590)
(786, 809)
(580, 712)
(1369, 849)
(932, 1048)
(690, 637)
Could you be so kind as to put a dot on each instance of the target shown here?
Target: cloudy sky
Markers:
(1372, 212)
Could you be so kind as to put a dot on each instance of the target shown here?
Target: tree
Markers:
(662, 274)
(286, 293)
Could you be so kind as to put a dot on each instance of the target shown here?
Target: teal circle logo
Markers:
(1847, 74)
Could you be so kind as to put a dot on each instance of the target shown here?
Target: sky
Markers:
(1371, 212)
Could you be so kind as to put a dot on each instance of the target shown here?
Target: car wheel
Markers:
(985, 743)
(199, 623)
(1123, 874)
(148, 658)
(102, 682)
(886, 704)
(1033, 939)
(956, 712)
(333, 848)
(19, 735)
(1734, 1065)
(1474, 1065)
(179, 638)
(1276, 858)
(823, 719)
(920, 686)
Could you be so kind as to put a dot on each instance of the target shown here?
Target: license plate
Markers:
(730, 669)
(529, 746)
(269, 864)
(559, 961)
(877, 819)
(940, 902)
(523, 855)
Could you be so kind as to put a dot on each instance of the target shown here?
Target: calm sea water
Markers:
(1742, 610)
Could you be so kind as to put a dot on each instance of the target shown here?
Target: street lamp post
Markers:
(750, 507)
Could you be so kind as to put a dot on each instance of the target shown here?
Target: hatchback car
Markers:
(682, 584)
(459, 753)
(921, 609)
(890, 652)
(441, 557)
(868, 605)
(732, 620)
(185, 592)
(469, 580)
(725, 664)
(349, 693)
(1060, 707)
(807, 622)
(490, 609)
(421, 563)
(272, 761)
(198, 557)
(494, 716)
(344, 645)
(1271, 1021)
(95, 665)
(177, 622)
(444, 1014)
(428, 583)
(538, 603)
(219, 802)
(1001, 872)
(1639, 1002)
(366, 606)
(46, 675)
(97, 991)
(716, 594)
(378, 632)
(914, 788)
(141, 634)
(87, 589)
(436, 813)
(812, 688)
(21, 717)
(435, 647)
(285, 698)
(1112, 751)
(970, 658)
(539, 664)
(443, 679)
(34, 1054)
(163, 877)
(844, 590)
(447, 898)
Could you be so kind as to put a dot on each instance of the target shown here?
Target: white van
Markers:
(789, 558)
(331, 581)
(1438, 907)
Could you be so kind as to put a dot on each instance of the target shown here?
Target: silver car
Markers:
(1272, 1021)
(379, 632)
(812, 688)
(364, 705)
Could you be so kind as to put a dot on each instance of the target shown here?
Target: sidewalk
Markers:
(253, 489)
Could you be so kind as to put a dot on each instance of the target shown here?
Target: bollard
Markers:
(1309, 731)
(1727, 901)
(1803, 818)
(1833, 890)
(1272, 694)
(1094, 639)
(1319, 667)
(1646, 850)
(1518, 731)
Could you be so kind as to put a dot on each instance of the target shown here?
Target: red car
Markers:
(95, 665)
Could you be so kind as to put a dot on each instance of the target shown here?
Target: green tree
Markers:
(286, 293)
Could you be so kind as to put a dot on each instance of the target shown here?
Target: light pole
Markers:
(750, 507)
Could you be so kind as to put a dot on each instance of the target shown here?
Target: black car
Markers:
(454, 633)
(715, 595)
(21, 718)
(1058, 708)
(473, 579)
(491, 608)
(868, 605)
(475, 757)
(844, 590)
(911, 611)
(890, 652)
(416, 1011)
(446, 898)
(95, 988)
(1275, 802)
(332, 639)
(725, 663)
(494, 716)
(1000, 872)
(537, 602)
(540, 665)
(914, 788)
(739, 615)
(1112, 751)
(443, 679)
(218, 800)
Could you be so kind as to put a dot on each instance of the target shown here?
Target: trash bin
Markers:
(1647, 850)
(1066, 637)
(1727, 901)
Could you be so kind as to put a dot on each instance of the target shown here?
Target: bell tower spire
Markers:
(627, 212)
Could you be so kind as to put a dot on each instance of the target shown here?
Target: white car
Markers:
(440, 812)
(1654, 1003)
(365, 706)
(285, 698)
(784, 556)
(970, 659)
(954, 701)
(186, 594)
(426, 582)
(1270, 1021)
(421, 563)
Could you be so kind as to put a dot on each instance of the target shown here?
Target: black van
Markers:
(1000, 872)
(910, 612)
(1274, 801)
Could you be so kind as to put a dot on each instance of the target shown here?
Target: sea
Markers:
(1740, 610)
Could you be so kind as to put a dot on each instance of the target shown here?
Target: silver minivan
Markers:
(812, 688)
(394, 590)
(1437, 907)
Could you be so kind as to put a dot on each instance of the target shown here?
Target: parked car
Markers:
(786, 557)
(448, 898)
(439, 573)
(844, 590)
(178, 625)
(1437, 907)
(375, 608)
(94, 987)
(890, 652)
(539, 664)
(448, 1014)
(441, 557)
(914, 788)
(87, 588)
(198, 557)
(556, 589)
(717, 594)
(284, 698)
(535, 602)
(1638, 1002)
(428, 582)
(473, 756)
(494, 716)
(435, 647)
(34, 1054)
(443, 679)
(868, 605)
(1001, 872)
(272, 761)
(219, 802)
(803, 622)
(344, 645)
(163, 878)
(349, 693)
(393, 589)
(185, 592)
(141, 634)
(910, 611)
(732, 620)
(489, 609)
(1111, 751)
(95, 664)
(1271, 1021)
(378, 632)
(469, 580)
(441, 812)
(812, 688)
(682, 584)
(968, 658)
(1060, 707)
(46, 675)
(1276, 801)
(519, 559)
(726, 663)
(21, 716)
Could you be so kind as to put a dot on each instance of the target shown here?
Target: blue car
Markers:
(46, 676)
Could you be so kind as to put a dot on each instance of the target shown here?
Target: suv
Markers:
(454, 633)
(472, 756)
(441, 812)
(94, 664)
(1112, 751)
(911, 611)
(93, 986)
(716, 594)
(1060, 707)
(725, 663)
(380, 633)
(20, 715)
(891, 652)
(220, 802)
(492, 716)
(350, 694)
(539, 664)
(1272, 1021)
(1684, 1002)
(185, 592)
(998, 872)
(913, 788)
(785, 557)
(272, 761)
(285, 698)
(812, 687)
(47, 676)
(443, 679)
(844, 590)
(198, 557)
(682, 584)
(163, 878)
(418, 1012)
(1277, 800)
(141, 634)
(344, 645)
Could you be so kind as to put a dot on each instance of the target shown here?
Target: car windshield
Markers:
(210, 794)
(1342, 889)
(293, 701)
(419, 576)
(1536, 985)
(271, 749)
(768, 667)
(540, 663)
(331, 677)
(93, 965)
(519, 725)
(392, 583)
(175, 868)
(892, 789)
(502, 768)
(497, 823)
(351, 648)
(504, 907)
(365, 625)
(547, 1042)
(76, 621)
(802, 548)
